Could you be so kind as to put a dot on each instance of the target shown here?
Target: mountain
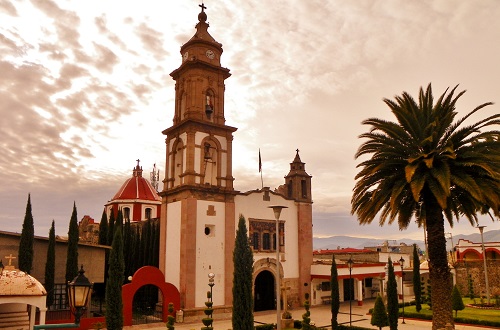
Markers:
(336, 242)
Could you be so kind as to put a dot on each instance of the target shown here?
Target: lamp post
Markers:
(485, 265)
(79, 291)
(349, 265)
(211, 284)
(402, 264)
(277, 212)
(78, 294)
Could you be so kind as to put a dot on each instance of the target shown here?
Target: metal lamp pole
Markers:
(277, 212)
(402, 263)
(349, 265)
(485, 265)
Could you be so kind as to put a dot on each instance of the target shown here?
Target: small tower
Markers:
(298, 182)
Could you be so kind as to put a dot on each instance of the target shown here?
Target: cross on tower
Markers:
(202, 7)
(137, 160)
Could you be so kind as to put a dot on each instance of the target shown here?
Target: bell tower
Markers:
(298, 182)
(199, 144)
(197, 227)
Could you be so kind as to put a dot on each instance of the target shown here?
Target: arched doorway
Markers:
(264, 291)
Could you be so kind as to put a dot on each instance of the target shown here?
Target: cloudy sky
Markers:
(85, 91)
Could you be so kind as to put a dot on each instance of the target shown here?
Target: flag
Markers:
(260, 162)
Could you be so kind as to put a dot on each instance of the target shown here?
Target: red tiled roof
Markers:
(340, 251)
(137, 187)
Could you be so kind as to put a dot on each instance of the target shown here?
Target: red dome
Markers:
(137, 187)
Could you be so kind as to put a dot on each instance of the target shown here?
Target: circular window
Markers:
(207, 230)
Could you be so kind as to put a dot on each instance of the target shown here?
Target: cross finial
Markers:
(203, 7)
(137, 160)
(10, 257)
(297, 150)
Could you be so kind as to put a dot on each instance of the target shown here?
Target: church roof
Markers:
(18, 283)
(137, 187)
(202, 30)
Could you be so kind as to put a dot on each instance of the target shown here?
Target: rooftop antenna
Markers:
(155, 177)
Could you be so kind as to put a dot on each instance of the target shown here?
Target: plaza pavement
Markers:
(320, 316)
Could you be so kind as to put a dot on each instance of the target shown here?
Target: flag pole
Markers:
(260, 170)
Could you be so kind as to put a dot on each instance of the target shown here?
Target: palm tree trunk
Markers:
(439, 272)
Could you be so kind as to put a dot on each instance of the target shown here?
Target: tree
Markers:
(306, 317)
(72, 255)
(335, 297)
(103, 229)
(50, 266)
(26, 250)
(392, 296)
(242, 279)
(114, 303)
(417, 284)
(379, 315)
(111, 228)
(456, 300)
(127, 248)
(427, 167)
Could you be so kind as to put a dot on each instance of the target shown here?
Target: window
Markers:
(148, 213)
(262, 235)
(126, 213)
(255, 242)
(325, 286)
(266, 241)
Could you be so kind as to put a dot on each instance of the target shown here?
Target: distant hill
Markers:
(336, 242)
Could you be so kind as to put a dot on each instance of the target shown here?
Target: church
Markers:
(200, 208)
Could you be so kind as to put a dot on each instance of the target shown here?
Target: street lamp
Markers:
(349, 265)
(402, 264)
(79, 291)
(211, 284)
(78, 294)
(277, 212)
(485, 266)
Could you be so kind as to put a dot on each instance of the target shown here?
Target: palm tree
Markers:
(427, 167)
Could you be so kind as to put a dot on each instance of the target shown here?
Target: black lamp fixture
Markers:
(1, 267)
(79, 291)
(350, 264)
(402, 264)
(211, 277)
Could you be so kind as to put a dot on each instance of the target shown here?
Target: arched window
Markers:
(210, 157)
(148, 213)
(126, 213)
(177, 162)
(209, 103)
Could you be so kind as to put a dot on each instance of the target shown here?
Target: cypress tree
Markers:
(335, 296)
(103, 229)
(379, 315)
(26, 250)
(119, 221)
(111, 228)
(136, 251)
(417, 284)
(156, 250)
(145, 243)
(50, 266)
(392, 297)
(114, 303)
(127, 247)
(242, 279)
(456, 300)
(72, 256)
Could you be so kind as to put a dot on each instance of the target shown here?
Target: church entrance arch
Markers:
(148, 277)
(264, 291)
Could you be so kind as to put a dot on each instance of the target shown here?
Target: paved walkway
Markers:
(320, 315)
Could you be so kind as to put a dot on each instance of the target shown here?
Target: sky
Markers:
(85, 91)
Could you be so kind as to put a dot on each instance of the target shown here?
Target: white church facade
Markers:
(200, 207)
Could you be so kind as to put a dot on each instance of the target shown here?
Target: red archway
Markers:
(144, 276)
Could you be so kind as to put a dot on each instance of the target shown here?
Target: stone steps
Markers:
(14, 321)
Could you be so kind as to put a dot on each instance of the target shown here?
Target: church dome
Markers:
(137, 188)
(18, 283)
